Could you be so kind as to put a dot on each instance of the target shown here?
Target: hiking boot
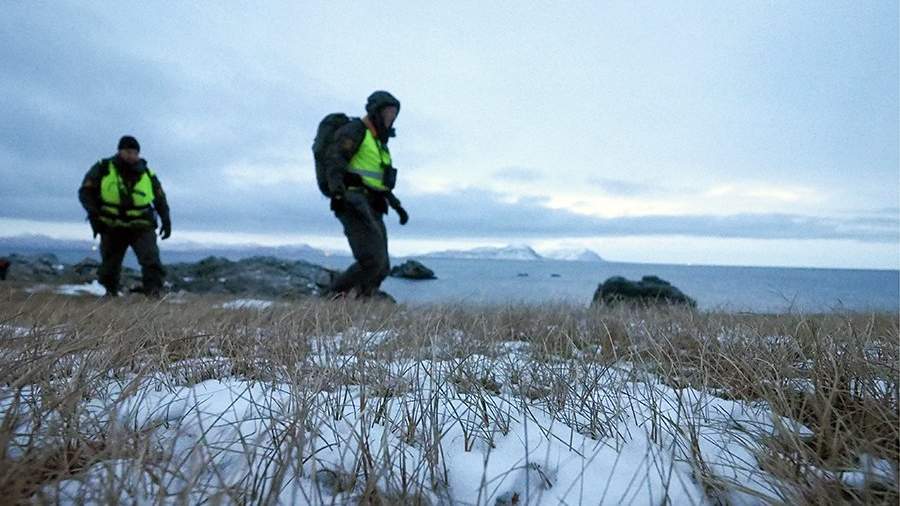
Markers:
(335, 296)
(381, 296)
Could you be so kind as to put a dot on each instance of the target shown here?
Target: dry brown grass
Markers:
(837, 374)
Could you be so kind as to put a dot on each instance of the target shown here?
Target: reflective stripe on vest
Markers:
(369, 162)
(122, 209)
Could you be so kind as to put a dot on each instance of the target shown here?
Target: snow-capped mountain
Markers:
(576, 255)
(512, 252)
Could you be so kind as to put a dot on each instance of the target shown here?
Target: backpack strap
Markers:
(104, 166)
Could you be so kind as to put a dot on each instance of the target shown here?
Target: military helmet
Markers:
(379, 100)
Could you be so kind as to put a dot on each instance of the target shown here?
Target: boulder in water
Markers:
(412, 269)
(649, 290)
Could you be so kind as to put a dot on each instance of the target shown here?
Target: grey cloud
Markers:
(69, 94)
(477, 213)
(623, 188)
(518, 174)
(893, 212)
(472, 213)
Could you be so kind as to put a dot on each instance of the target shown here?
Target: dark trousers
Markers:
(113, 245)
(365, 230)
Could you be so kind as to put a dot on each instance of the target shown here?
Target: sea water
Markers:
(755, 289)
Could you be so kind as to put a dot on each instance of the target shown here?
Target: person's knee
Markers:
(149, 259)
(372, 261)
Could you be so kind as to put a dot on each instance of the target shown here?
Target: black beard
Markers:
(127, 166)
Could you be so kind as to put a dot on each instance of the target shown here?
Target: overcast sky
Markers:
(762, 133)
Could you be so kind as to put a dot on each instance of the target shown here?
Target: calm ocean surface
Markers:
(757, 289)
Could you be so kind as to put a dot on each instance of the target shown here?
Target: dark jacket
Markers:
(347, 141)
(89, 193)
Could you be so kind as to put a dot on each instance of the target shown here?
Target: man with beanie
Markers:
(123, 197)
(361, 178)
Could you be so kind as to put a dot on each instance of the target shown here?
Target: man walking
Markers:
(360, 176)
(123, 198)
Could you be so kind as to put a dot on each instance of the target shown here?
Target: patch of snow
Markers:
(870, 470)
(92, 288)
(248, 304)
(13, 332)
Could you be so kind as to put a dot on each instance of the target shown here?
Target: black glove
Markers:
(97, 226)
(404, 216)
(165, 231)
(337, 200)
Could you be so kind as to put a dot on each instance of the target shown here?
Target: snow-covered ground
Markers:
(503, 428)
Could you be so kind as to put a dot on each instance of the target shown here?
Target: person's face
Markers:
(388, 115)
(130, 155)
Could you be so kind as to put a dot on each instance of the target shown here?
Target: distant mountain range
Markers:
(517, 252)
(40, 243)
(574, 255)
(43, 244)
(488, 253)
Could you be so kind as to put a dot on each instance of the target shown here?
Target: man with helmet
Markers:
(360, 177)
(123, 197)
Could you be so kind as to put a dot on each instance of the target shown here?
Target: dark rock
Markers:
(48, 269)
(37, 268)
(261, 276)
(649, 290)
(4, 266)
(86, 270)
(412, 269)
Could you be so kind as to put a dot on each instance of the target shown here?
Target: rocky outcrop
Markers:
(260, 276)
(412, 269)
(47, 268)
(649, 290)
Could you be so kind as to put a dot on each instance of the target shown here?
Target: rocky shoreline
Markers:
(271, 277)
(258, 276)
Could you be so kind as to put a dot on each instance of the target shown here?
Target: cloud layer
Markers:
(228, 121)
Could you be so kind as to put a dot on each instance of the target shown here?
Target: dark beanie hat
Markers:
(129, 142)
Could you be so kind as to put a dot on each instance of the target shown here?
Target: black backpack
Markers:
(324, 138)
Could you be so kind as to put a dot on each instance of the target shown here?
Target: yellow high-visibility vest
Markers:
(370, 161)
(123, 209)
